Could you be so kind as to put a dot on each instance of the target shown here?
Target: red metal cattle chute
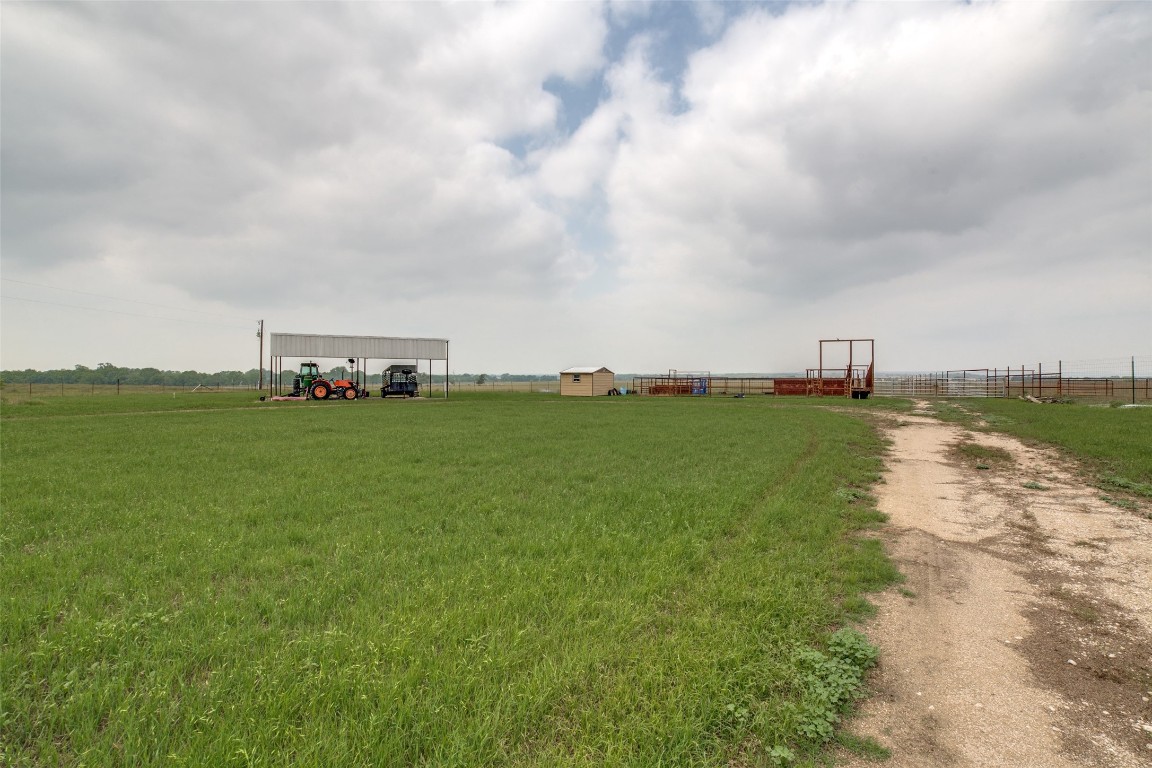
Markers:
(856, 379)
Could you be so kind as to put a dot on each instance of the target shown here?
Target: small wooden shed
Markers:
(587, 381)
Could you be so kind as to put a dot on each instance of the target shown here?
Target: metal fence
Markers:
(499, 385)
(701, 386)
(1126, 380)
(48, 389)
(23, 390)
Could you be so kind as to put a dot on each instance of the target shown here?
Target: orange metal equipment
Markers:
(855, 380)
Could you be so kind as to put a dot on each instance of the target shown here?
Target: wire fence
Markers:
(26, 390)
(1118, 379)
(45, 389)
(545, 387)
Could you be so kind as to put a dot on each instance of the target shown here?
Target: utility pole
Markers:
(260, 366)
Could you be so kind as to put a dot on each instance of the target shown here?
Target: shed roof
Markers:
(586, 369)
(371, 347)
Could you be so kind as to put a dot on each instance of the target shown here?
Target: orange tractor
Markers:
(311, 384)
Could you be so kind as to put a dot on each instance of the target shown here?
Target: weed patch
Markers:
(831, 681)
(983, 454)
(1121, 503)
(852, 495)
(1119, 483)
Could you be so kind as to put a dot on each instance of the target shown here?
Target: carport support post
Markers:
(820, 372)
(848, 378)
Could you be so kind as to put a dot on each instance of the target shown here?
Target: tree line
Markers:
(107, 373)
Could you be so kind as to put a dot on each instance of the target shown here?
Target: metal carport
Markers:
(359, 348)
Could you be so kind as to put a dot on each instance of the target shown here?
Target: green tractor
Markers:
(311, 384)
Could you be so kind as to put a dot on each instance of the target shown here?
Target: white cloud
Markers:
(842, 145)
(356, 135)
(400, 168)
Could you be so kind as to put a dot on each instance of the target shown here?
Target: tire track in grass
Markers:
(625, 685)
(728, 632)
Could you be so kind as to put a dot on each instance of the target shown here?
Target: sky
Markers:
(644, 186)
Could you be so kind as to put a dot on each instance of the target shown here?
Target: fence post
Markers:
(1133, 380)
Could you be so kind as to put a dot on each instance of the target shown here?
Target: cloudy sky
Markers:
(700, 186)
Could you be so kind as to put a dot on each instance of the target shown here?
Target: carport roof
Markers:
(368, 347)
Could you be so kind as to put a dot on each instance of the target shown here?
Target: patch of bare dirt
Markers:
(1023, 633)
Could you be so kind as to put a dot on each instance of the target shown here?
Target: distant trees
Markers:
(108, 373)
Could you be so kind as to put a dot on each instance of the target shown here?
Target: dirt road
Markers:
(1023, 634)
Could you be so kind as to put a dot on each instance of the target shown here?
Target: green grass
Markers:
(1116, 443)
(1122, 503)
(16, 406)
(1123, 484)
(488, 580)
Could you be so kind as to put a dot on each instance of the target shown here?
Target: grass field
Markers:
(488, 580)
(19, 392)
